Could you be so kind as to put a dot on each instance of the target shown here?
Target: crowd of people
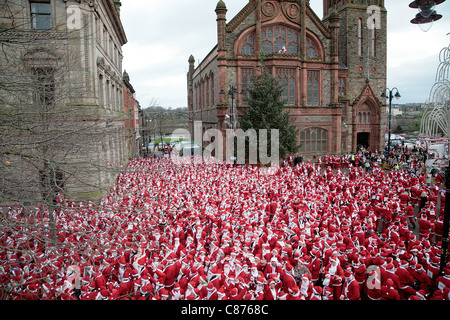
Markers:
(209, 231)
(412, 160)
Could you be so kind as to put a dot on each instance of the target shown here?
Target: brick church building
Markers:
(332, 70)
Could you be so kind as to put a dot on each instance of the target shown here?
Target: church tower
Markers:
(362, 53)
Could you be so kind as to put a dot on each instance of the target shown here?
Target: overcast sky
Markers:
(162, 34)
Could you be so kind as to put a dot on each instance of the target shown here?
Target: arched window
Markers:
(360, 36)
(212, 88)
(278, 39)
(311, 51)
(373, 40)
(207, 86)
(249, 45)
(364, 114)
(313, 140)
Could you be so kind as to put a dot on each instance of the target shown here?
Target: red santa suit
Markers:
(170, 275)
(287, 278)
(100, 281)
(315, 267)
(211, 293)
(306, 287)
(406, 280)
(351, 290)
(336, 277)
(424, 226)
(272, 289)
(373, 286)
(388, 292)
(273, 268)
(443, 282)
(423, 278)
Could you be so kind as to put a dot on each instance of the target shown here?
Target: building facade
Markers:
(132, 110)
(66, 57)
(332, 70)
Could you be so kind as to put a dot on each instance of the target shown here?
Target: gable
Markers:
(289, 12)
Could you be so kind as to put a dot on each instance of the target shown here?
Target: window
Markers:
(360, 36)
(313, 140)
(249, 45)
(101, 91)
(207, 86)
(41, 15)
(344, 109)
(341, 86)
(364, 114)
(286, 78)
(279, 40)
(212, 89)
(363, 117)
(108, 95)
(313, 78)
(344, 142)
(373, 40)
(44, 87)
(311, 51)
(246, 76)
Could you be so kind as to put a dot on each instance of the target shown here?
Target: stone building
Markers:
(63, 63)
(332, 70)
(132, 110)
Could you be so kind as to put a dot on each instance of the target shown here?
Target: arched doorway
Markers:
(366, 125)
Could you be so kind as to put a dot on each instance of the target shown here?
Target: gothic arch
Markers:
(368, 105)
(316, 43)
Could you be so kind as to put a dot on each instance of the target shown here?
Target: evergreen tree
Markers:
(266, 111)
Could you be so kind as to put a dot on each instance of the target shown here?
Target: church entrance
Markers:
(363, 139)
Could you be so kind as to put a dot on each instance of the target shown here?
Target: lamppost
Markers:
(390, 96)
(427, 15)
(233, 94)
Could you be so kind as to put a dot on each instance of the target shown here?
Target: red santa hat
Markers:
(318, 290)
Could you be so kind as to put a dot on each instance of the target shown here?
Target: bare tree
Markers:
(54, 137)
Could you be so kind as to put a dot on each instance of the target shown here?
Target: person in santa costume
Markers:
(315, 266)
(406, 280)
(374, 285)
(360, 273)
(272, 288)
(424, 226)
(176, 292)
(287, 277)
(443, 282)
(316, 293)
(351, 290)
(388, 292)
(336, 277)
(306, 287)
(423, 279)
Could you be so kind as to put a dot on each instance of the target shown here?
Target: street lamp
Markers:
(427, 15)
(232, 92)
(390, 96)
